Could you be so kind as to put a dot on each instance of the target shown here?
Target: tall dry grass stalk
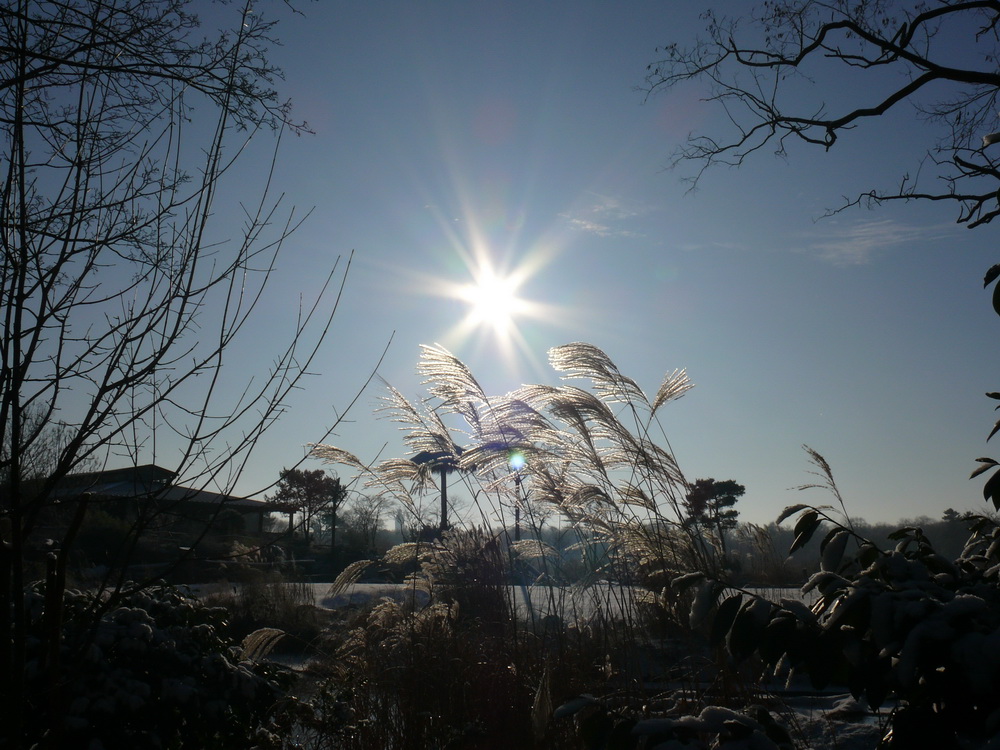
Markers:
(589, 451)
(595, 456)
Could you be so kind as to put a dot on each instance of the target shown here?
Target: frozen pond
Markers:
(533, 602)
(571, 603)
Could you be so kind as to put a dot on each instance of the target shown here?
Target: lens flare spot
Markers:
(516, 460)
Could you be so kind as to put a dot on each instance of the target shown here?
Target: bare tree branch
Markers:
(120, 297)
(901, 51)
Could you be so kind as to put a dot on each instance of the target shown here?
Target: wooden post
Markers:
(444, 497)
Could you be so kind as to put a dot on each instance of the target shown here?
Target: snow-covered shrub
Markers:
(155, 670)
(901, 626)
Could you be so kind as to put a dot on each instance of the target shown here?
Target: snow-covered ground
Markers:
(831, 721)
(822, 720)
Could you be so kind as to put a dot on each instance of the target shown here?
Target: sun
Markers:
(500, 318)
(490, 277)
(493, 301)
(496, 309)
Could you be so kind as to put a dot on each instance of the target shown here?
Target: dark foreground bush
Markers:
(156, 670)
(903, 627)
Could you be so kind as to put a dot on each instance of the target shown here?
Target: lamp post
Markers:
(444, 463)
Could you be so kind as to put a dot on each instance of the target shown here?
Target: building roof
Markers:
(153, 481)
(129, 481)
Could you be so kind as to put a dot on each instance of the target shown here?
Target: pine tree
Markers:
(711, 504)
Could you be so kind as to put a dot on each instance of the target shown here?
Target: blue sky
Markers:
(446, 132)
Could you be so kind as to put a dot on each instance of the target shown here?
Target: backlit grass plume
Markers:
(591, 452)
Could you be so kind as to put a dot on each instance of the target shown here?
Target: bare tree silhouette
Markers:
(120, 298)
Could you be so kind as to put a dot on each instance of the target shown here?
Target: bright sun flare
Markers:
(493, 301)
(495, 314)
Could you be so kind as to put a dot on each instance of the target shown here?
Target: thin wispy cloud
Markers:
(698, 247)
(606, 216)
(858, 243)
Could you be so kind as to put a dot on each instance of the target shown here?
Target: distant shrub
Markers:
(271, 603)
(102, 536)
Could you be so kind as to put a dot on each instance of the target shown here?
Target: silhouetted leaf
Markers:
(778, 636)
(868, 554)
(996, 299)
(791, 510)
(994, 395)
(807, 521)
(805, 527)
(996, 427)
(991, 490)
(724, 617)
(747, 627)
(991, 275)
(987, 464)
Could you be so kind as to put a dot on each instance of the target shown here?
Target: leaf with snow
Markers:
(832, 549)
(687, 581)
(704, 600)
(724, 617)
(798, 608)
(571, 707)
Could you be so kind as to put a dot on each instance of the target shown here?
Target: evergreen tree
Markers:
(711, 504)
(313, 494)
